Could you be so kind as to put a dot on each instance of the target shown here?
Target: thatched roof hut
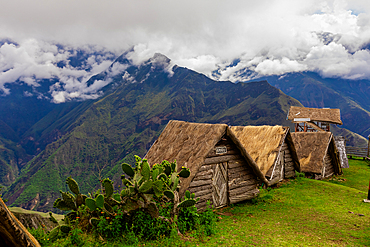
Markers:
(12, 232)
(296, 114)
(317, 153)
(221, 170)
(272, 149)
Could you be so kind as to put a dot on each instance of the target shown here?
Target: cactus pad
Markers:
(60, 204)
(90, 203)
(169, 194)
(145, 169)
(128, 169)
(108, 187)
(53, 235)
(187, 194)
(65, 228)
(108, 208)
(174, 166)
(99, 200)
(167, 170)
(162, 176)
(187, 203)
(147, 185)
(184, 173)
(73, 186)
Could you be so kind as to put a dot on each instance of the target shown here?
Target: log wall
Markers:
(328, 169)
(283, 167)
(289, 170)
(242, 182)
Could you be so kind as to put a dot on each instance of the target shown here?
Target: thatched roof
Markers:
(188, 144)
(263, 144)
(12, 232)
(315, 114)
(312, 148)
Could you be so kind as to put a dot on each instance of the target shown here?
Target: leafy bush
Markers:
(111, 227)
(203, 223)
(147, 227)
(299, 174)
(208, 220)
(147, 207)
(74, 238)
(40, 235)
(188, 219)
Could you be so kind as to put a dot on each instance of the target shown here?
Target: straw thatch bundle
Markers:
(12, 232)
(187, 143)
(312, 149)
(262, 143)
(315, 114)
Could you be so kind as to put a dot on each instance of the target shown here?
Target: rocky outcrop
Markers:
(35, 221)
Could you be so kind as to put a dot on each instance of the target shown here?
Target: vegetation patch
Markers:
(297, 212)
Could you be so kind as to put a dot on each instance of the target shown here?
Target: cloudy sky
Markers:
(266, 36)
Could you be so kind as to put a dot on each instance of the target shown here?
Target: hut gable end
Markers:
(187, 143)
(272, 149)
(221, 170)
(297, 114)
(317, 153)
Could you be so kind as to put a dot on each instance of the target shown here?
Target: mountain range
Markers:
(42, 143)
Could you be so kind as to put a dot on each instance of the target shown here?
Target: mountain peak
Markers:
(160, 60)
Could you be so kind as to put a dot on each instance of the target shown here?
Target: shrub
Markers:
(208, 220)
(147, 207)
(188, 219)
(147, 227)
(40, 235)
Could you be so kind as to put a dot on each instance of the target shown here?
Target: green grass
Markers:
(301, 212)
(357, 176)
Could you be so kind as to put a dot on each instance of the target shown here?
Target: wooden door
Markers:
(219, 185)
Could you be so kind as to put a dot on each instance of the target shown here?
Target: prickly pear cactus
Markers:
(90, 203)
(187, 203)
(73, 186)
(108, 187)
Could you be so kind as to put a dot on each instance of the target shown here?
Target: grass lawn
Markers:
(298, 212)
(301, 212)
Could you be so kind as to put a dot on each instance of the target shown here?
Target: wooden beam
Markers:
(220, 159)
(313, 125)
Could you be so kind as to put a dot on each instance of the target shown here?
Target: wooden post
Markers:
(305, 127)
(368, 146)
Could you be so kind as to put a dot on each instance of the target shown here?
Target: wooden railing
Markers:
(358, 152)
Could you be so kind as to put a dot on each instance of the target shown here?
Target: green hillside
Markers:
(129, 118)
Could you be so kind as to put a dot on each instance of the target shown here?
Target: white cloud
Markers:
(267, 37)
(32, 61)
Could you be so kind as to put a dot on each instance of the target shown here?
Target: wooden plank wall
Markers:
(284, 167)
(242, 184)
(202, 185)
(289, 170)
(242, 181)
(328, 169)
